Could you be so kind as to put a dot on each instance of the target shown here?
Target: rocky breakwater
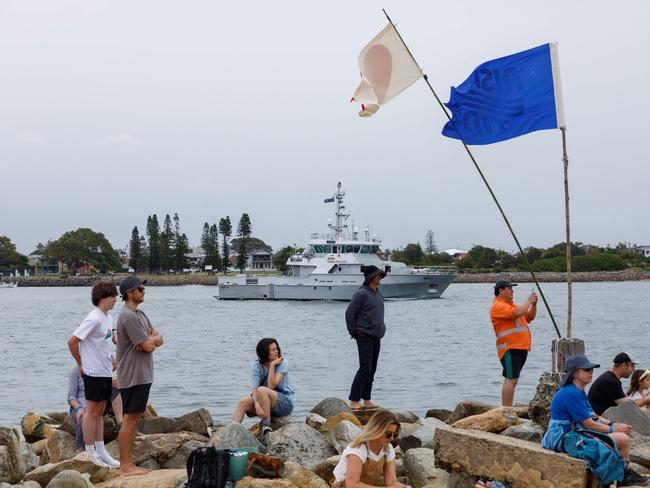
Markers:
(442, 450)
(89, 280)
(551, 277)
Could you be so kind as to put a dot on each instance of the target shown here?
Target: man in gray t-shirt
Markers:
(137, 339)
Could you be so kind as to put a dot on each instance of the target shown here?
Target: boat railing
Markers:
(445, 270)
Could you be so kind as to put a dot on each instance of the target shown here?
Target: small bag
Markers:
(264, 466)
(207, 467)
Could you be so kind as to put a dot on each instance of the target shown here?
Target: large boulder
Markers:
(520, 464)
(325, 469)
(161, 447)
(24, 484)
(316, 421)
(179, 460)
(248, 482)
(28, 456)
(301, 477)
(347, 416)
(300, 443)
(422, 436)
(70, 479)
(36, 426)
(82, 462)
(329, 407)
(438, 413)
(467, 408)
(161, 478)
(11, 464)
(406, 416)
(527, 430)
(234, 435)
(421, 469)
(495, 420)
(39, 446)
(60, 446)
(197, 421)
(640, 449)
(539, 409)
(629, 413)
(342, 434)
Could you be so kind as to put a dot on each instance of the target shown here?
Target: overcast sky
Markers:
(114, 110)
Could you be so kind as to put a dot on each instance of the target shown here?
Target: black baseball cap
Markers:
(503, 283)
(130, 283)
(622, 357)
(576, 362)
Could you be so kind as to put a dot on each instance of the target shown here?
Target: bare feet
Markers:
(133, 471)
(355, 406)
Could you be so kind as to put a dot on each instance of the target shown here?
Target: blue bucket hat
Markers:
(576, 362)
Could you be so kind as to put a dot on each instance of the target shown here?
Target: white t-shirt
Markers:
(636, 396)
(362, 452)
(95, 348)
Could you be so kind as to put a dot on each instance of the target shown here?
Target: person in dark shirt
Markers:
(364, 318)
(607, 390)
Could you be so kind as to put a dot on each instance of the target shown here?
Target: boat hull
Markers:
(415, 287)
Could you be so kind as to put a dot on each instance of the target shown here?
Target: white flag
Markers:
(387, 69)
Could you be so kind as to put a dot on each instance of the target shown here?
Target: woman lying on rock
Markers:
(271, 392)
(576, 430)
(369, 460)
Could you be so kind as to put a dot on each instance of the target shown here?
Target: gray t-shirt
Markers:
(133, 367)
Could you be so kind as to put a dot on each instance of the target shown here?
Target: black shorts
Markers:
(135, 398)
(98, 389)
(513, 362)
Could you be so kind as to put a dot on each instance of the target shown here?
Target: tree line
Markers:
(585, 257)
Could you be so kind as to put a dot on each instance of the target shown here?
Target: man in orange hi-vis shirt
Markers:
(510, 323)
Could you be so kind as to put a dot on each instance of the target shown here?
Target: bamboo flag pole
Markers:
(565, 159)
(471, 156)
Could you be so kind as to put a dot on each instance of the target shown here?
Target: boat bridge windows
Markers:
(345, 248)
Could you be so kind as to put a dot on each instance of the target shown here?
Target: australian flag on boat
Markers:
(508, 97)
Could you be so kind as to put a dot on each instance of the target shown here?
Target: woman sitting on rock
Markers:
(271, 392)
(576, 430)
(639, 384)
(369, 460)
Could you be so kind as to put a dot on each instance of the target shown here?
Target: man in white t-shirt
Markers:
(91, 347)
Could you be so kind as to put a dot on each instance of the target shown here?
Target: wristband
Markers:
(611, 427)
(77, 408)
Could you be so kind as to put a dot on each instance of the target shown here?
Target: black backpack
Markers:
(207, 467)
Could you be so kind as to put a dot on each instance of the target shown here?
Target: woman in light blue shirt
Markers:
(271, 391)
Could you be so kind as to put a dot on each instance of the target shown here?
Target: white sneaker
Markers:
(106, 459)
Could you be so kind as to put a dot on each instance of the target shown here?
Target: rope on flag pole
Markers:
(471, 156)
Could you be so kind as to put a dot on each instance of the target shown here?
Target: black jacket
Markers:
(365, 314)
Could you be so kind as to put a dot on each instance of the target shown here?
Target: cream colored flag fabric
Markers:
(387, 69)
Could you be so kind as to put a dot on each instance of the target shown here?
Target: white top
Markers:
(362, 452)
(635, 396)
(95, 348)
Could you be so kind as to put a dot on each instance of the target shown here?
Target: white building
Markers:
(645, 250)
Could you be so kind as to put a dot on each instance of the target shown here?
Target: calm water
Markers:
(435, 353)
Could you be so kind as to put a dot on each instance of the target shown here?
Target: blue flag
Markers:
(508, 97)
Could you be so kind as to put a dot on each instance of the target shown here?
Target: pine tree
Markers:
(144, 255)
(153, 236)
(166, 244)
(243, 231)
(225, 227)
(181, 246)
(430, 242)
(135, 250)
(214, 258)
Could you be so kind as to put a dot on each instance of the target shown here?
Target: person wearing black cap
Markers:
(364, 318)
(511, 326)
(571, 412)
(136, 341)
(607, 390)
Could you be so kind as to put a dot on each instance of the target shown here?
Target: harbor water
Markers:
(435, 352)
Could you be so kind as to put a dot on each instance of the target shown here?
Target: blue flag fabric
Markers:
(508, 97)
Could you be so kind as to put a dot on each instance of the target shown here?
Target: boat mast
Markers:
(341, 217)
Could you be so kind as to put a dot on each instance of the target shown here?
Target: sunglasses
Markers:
(140, 289)
(588, 370)
(391, 435)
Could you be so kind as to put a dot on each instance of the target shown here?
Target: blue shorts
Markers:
(283, 406)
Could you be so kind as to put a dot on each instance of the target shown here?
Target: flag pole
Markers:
(471, 156)
(565, 160)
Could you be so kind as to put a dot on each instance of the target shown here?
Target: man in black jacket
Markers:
(365, 321)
